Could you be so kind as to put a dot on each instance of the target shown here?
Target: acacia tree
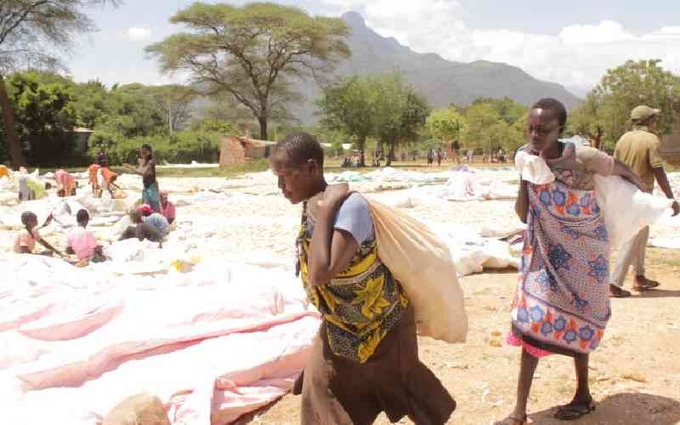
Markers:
(176, 101)
(31, 31)
(253, 52)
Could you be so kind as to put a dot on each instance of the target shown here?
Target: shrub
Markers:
(177, 148)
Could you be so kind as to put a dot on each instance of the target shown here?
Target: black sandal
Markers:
(616, 292)
(575, 410)
(646, 285)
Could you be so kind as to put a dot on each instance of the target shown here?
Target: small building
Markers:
(238, 150)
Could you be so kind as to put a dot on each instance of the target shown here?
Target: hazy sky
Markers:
(572, 42)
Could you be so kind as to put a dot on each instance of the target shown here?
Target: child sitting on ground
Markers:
(167, 207)
(82, 243)
(147, 225)
(25, 241)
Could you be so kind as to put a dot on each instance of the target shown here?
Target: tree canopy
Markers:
(48, 107)
(605, 114)
(31, 32)
(400, 112)
(254, 52)
(446, 124)
(349, 106)
(383, 106)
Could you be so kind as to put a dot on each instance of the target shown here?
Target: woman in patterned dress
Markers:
(562, 303)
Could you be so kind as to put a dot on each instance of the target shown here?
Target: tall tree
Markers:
(44, 116)
(30, 32)
(254, 52)
(509, 110)
(480, 132)
(587, 119)
(446, 125)
(349, 106)
(400, 112)
(176, 101)
(605, 115)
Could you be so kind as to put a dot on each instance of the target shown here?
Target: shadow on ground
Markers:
(623, 409)
(659, 293)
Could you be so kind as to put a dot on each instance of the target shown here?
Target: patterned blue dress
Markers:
(562, 300)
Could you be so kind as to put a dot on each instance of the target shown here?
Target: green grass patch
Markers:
(664, 257)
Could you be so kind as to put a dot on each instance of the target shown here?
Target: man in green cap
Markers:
(639, 149)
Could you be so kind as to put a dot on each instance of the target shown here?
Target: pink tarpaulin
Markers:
(210, 351)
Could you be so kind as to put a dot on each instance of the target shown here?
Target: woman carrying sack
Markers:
(364, 360)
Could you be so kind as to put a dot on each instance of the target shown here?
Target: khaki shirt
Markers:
(639, 149)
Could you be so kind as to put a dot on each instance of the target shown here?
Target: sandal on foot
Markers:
(575, 410)
(616, 292)
(512, 420)
(645, 284)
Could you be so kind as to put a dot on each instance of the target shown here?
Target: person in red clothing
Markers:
(167, 207)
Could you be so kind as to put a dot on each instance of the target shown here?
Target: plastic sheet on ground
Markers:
(668, 243)
(225, 335)
(193, 164)
(468, 185)
(473, 253)
(214, 323)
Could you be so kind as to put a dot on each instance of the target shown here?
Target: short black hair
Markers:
(300, 148)
(26, 216)
(82, 215)
(555, 106)
(147, 147)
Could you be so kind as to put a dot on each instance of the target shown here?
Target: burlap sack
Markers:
(422, 263)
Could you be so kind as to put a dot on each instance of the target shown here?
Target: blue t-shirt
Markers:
(353, 217)
(159, 222)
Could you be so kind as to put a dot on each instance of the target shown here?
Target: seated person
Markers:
(82, 243)
(26, 240)
(148, 225)
(167, 207)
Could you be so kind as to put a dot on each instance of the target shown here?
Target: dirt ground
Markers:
(635, 374)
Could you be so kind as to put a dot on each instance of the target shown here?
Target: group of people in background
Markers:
(151, 220)
(435, 155)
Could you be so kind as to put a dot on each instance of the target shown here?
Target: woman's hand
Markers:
(334, 196)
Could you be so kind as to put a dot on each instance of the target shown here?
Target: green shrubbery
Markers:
(177, 148)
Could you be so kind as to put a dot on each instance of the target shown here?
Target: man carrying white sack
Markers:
(364, 360)
(639, 149)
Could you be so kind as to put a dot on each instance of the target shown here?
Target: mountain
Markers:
(442, 82)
